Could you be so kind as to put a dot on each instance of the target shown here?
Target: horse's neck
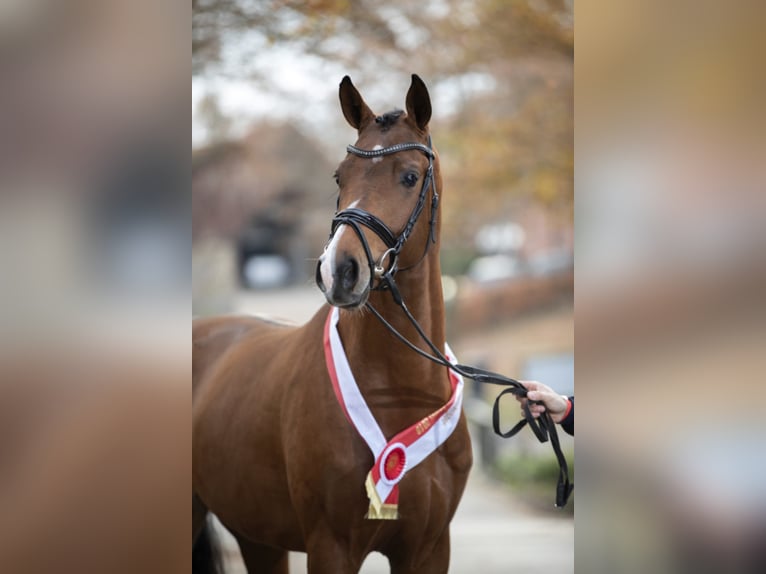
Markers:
(383, 364)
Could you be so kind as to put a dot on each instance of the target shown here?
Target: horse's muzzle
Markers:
(344, 288)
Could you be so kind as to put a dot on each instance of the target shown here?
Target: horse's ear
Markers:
(418, 102)
(355, 110)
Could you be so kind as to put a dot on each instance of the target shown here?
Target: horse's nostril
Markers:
(349, 273)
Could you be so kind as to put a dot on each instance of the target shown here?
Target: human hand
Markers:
(553, 402)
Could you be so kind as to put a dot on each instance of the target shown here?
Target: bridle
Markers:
(544, 428)
(355, 218)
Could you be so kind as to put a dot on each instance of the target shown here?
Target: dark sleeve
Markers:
(568, 423)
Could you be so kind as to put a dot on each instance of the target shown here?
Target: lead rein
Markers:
(543, 429)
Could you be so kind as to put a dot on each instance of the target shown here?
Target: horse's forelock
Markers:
(387, 120)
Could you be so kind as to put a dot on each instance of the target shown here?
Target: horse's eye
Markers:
(410, 179)
(337, 178)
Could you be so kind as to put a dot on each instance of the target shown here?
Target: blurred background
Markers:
(95, 226)
(268, 134)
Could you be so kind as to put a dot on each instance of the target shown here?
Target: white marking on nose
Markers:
(377, 159)
(327, 265)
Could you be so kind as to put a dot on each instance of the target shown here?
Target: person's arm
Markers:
(567, 423)
(561, 408)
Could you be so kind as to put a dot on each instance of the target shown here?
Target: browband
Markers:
(368, 153)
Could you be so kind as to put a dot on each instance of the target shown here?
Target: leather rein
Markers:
(386, 267)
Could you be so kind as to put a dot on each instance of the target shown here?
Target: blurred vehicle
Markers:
(504, 237)
(495, 268)
(264, 252)
(265, 271)
(550, 262)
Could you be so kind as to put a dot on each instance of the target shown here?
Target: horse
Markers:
(278, 457)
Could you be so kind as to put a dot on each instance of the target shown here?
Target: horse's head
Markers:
(383, 188)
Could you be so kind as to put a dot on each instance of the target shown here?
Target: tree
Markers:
(513, 140)
(394, 33)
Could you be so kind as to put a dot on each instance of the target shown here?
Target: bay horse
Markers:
(278, 456)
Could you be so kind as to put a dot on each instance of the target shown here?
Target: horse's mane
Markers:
(388, 119)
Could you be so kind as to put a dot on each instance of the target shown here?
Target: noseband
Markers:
(387, 265)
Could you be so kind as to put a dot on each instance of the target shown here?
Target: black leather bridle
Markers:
(544, 428)
(355, 218)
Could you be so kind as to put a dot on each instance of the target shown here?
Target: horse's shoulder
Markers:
(230, 327)
(214, 337)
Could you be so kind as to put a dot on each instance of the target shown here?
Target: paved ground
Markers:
(493, 532)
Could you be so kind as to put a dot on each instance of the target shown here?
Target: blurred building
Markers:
(261, 207)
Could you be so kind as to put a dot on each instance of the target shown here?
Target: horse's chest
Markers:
(429, 492)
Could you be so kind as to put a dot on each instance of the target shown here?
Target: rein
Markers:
(544, 428)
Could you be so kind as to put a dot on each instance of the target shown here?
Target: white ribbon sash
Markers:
(395, 457)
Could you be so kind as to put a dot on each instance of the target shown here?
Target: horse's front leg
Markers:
(326, 555)
(261, 559)
(435, 561)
